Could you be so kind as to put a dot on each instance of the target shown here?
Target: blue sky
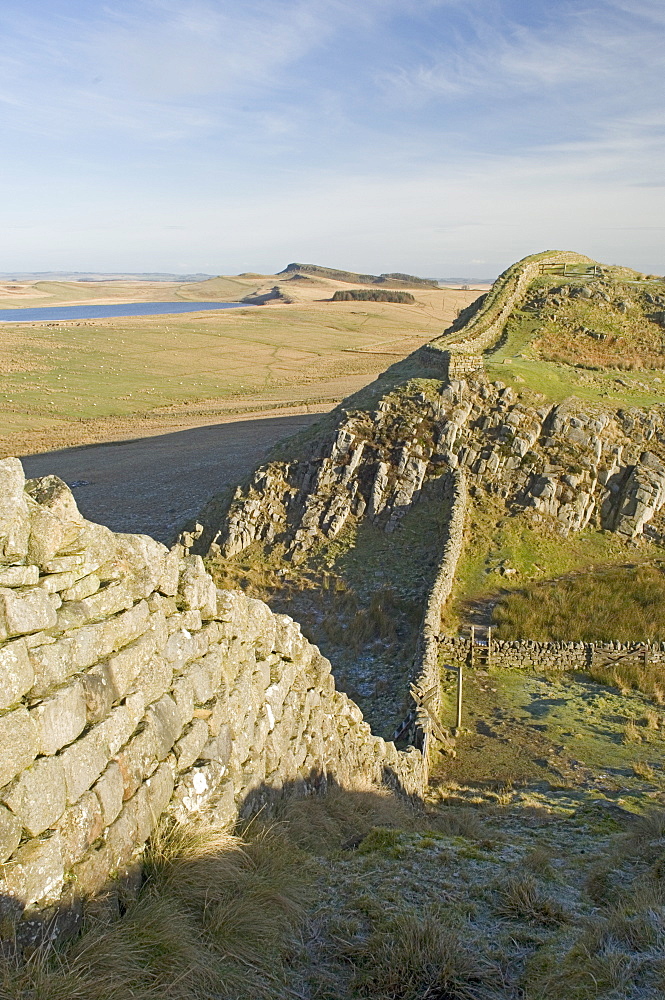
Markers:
(441, 137)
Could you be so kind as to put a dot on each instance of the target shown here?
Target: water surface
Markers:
(109, 311)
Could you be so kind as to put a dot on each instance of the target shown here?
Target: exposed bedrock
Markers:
(559, 462)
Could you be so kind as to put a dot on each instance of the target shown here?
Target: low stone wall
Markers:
(427, 674)
(130, 689)
(486, 326)
(528, 654)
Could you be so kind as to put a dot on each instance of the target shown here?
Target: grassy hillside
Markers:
(394, 279)
(68, 383)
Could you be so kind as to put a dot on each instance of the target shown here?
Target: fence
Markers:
(530, 654)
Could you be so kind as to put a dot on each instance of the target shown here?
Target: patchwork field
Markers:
(70, 383)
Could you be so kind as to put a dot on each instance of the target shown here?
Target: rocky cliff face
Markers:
(558, 462)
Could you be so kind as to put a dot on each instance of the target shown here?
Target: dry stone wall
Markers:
(529, 654)
(131, 688)
(487, 324)
(427, 670)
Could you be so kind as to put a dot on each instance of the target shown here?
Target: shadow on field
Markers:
(152, 485)
(204, 912)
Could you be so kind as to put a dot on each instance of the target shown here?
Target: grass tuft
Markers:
(419, 957)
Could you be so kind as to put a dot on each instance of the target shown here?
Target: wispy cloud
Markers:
(406, 131)
(576, 46)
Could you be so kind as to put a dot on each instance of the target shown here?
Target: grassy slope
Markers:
(521, 359)
(57, 375)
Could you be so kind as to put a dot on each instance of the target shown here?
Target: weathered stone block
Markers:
(118, 727)
(10, 833)
(99, 692)
(155, 678)
(36, 873)
(25, 611)
(110, 790)
(137, 812)
(18, 743)
(196, 790)
(160, 789)
(188, 748)
(164, 718)
(14, 518)
(183, 695)
(38, 797)
(139, 759)
(121, 838)
(165, 605)
(85, 587)
(92, 873)
(47, 534)
(206, 676)
(53, 583)
(224, 812)
(142, 560)
(168, 581)
(219, 748)
(65, 564)
(79, 827)
(19, 576)
(112, 599)
(182, 646)
(16, 673)
(125, 666)
(53, 494)
(189, 620)
(60, 718)
(84, 761)
(220, 713)
(96, 542)
(196, 588)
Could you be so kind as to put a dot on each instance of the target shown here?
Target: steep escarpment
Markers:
(600, 465)
(132, 689)
(558, 462)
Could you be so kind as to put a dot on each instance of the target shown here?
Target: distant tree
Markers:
(372, 295)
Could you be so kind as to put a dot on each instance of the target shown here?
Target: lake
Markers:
(51, 313)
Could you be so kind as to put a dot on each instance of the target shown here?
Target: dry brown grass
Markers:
(344, 818)
(521, 897)
(419, 957)
(214, 918)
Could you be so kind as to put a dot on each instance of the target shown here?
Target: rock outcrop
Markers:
(556, 461)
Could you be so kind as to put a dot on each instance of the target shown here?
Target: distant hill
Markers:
(99, 276)
(467, 281)
(394, 279)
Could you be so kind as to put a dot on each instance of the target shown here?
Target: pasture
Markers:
(77, 382)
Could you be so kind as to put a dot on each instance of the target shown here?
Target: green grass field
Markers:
(58, 377)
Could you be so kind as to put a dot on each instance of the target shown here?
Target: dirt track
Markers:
(153, 484)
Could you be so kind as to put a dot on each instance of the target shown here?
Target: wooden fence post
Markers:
(471, 648)
(489, 647)
(458, 724)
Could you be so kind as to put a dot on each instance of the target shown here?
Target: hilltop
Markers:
(393, 280)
